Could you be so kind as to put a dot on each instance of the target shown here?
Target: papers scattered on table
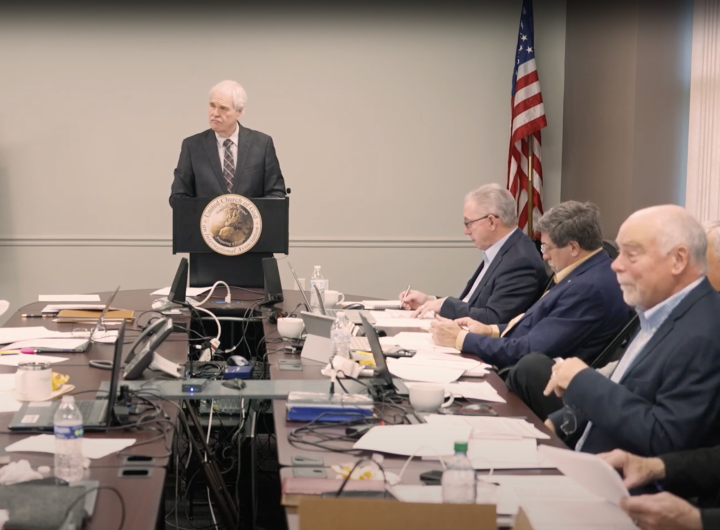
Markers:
(504, 454)
(420, 440)
(416, 341)
(381, 304)
(68, 298)
(190, 291)
(56, 308)
(14, 360)
(401, 313)
(480, 371)
(482, 391)
(8, 403)
(91, 447)
(490, 426)
(389, 323)
(8, 335)
(507, 504)
(421, 373)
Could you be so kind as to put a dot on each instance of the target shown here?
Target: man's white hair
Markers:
(496, 200)
(235, 90)
(681, 228)
(712, 230)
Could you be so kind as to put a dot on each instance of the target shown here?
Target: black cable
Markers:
(98, 488)
(360, 461)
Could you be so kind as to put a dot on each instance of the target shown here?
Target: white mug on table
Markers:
(427, 397)
(332, 298)
(33, 381)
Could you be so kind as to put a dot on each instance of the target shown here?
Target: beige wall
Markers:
(382, 123)
(626, 106)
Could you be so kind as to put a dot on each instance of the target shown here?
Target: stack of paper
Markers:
(189, 291)
(416, 341)
(423, 373)
(420, 440)
(401, 313)
(56, 308)
(381, 304)
(91, 447)
(14, 360)
(8, 335)
(490, 426)
(68, 298)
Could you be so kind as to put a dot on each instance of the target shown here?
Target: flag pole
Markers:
(530, 186)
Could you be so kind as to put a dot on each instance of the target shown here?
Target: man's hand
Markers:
(444, 332)
(551, 426)
(562, 374)
(430, 305)
(636, 470)
(473, 326)
(414, 299)
(663, 511)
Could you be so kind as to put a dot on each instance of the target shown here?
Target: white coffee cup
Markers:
(332, 298)
(426, 397)
(290, 327)
(33, 381)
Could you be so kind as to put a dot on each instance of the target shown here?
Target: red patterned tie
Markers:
(228, 165)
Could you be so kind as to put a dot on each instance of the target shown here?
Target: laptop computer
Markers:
(97, 413)
(383, 377)
(80, 348)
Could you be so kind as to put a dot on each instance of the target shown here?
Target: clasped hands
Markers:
(445, 331)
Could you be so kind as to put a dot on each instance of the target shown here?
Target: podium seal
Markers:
(231, 224)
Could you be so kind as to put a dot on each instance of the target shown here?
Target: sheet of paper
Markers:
(400, 313)
(426, 374)
(551, 514)
(416, 341)
(55, 308)
(14, 360)
(485, 453)
(8, 403)
(91, 447)
(590, 471)
(490, 426)
(47, 343)
(507, 504)
(4, 305)
(480, 371)
(381, 304)
(422, 439)
(8, 335)
(189, 291)
(68, 298)
(440, 360)
(483, 391)
(402, 323)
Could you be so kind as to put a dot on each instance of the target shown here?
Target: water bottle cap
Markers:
(68, 399)
(461, 447)
(339, 314)
(317, 266)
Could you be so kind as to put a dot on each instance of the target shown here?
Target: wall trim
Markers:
(297, 242)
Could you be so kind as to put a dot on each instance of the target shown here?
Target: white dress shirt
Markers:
(488, 257)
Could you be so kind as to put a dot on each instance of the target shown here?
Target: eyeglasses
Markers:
(545, 248)
(468, 223)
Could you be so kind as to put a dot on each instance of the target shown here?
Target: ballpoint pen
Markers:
(35, 315)
(407, 292)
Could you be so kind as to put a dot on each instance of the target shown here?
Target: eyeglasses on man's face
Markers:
(468, 223)
(545, 248)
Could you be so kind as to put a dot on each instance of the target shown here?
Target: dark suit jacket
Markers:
(199, 171)
(669, 398)
(576, 318)
(513, 282)
(695, 473)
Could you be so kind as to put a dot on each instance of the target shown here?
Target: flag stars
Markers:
(529, 49)
(523, 37)
(520, 49)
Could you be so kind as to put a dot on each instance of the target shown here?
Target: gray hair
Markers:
(712, 230)
(233, 88)
(684, 229)
(493, 199)
(573, 221)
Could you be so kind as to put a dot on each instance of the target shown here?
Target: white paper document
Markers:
(381, 304)
(14, 360)
(65, 343)
(490, 426)
(416, 341)
(189, 291)
(91, 447)
(8, 335)
(8, 403)
(487, 453)
(4, 306)
(480, 371)
(440, 360)
(68, 298)
(470, 390)
(56, 308)
(400, 313)
(425, 374)
(507, 501)
(590, 471)
(389, 323)
(422, 439)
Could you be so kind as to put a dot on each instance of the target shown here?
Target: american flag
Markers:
(528, 117)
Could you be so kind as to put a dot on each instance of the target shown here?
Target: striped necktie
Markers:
(228, 165)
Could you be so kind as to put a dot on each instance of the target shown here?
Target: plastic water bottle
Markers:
(318, 279)
(458, 480)
(340, 335)
(68, 427)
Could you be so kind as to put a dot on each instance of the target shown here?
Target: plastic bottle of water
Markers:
(458, 480)
(68, 427)
(340, 335)
(318, 279)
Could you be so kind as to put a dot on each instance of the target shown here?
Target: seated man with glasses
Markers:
(664, 394)
(579, 314)
(511, 276)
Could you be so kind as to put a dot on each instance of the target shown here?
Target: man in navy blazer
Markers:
(511, 276)
(578, 315)
(664, 394)
(227, 158)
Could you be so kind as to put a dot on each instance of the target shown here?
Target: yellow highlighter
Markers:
(9, 352)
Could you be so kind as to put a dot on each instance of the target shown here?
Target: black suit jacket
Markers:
(513, 282)
(696, 474)
(199, 171)
(669, 398)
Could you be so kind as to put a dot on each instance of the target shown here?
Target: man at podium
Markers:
(227, 158)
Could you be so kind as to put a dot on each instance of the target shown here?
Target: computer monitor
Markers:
(273, 285)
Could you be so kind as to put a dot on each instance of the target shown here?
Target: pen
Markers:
(407, 292)
(31, 315)
(9, 352)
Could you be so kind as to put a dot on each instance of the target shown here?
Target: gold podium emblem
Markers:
(231, 224)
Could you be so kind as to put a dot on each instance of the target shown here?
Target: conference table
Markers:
(145, 493)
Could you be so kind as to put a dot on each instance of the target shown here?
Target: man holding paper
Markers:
(664, 395)
(511, 276)
(687, 473)
(579, 314)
